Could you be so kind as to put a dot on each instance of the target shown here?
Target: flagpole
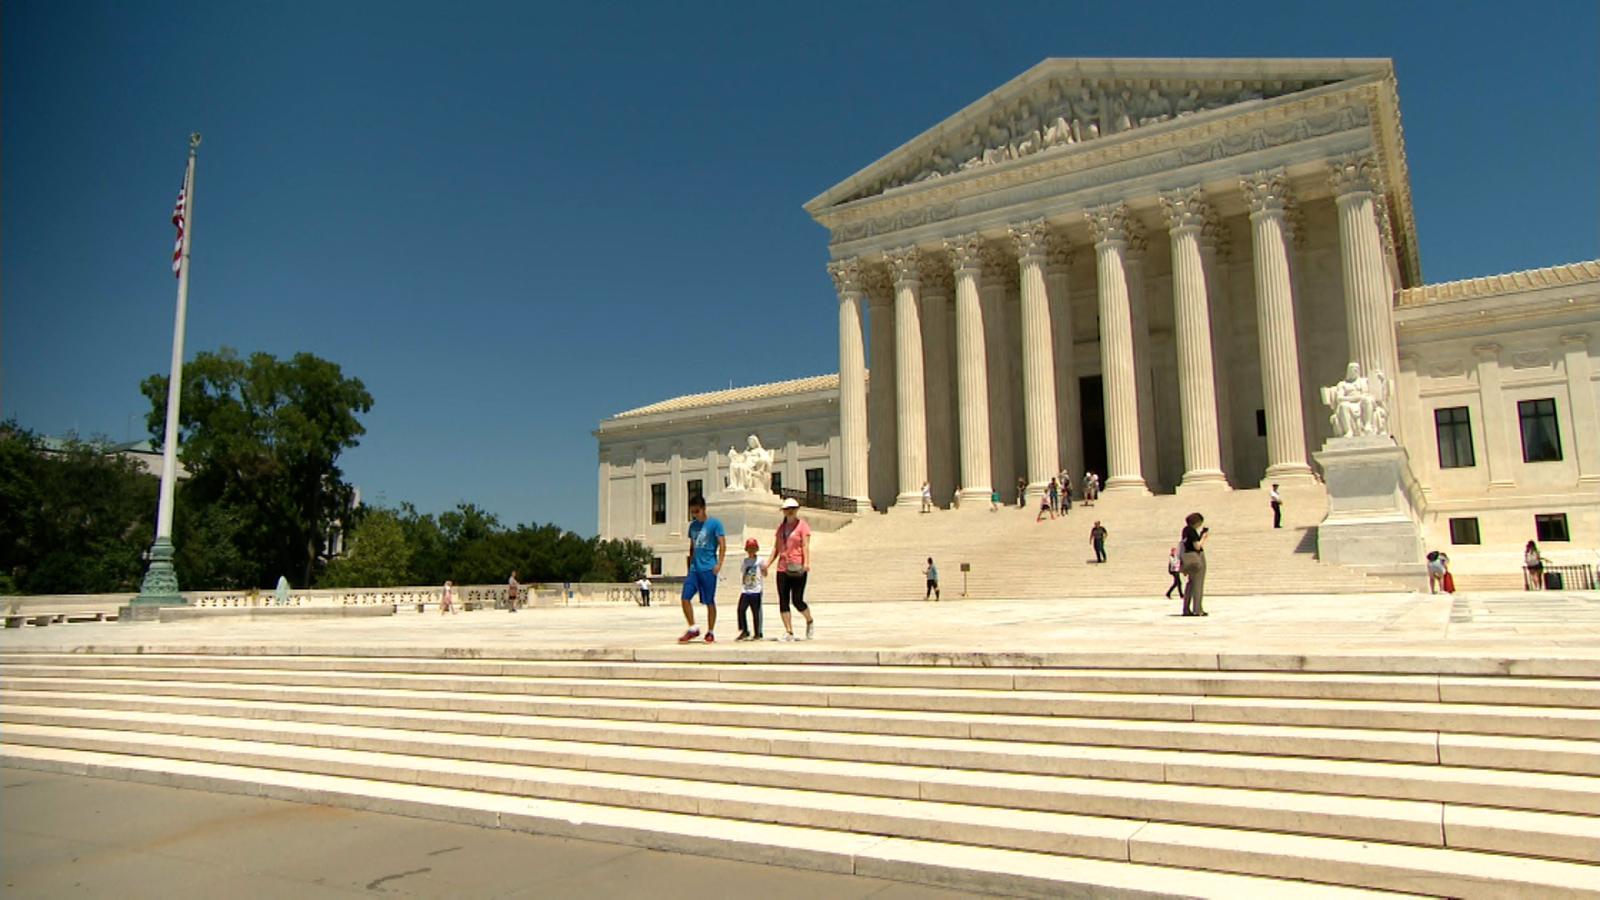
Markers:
(160, 586)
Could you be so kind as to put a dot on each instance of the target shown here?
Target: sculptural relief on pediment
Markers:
(1064, 112)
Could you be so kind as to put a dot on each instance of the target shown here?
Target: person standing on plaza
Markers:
(1277, 507)
(1097, 537)
(750, 586)
(994, 500)
(1066, 492)
(1194, 564)
(708, 547)
(927, 498)
(447, 598)
(1091, 486)
(791, 553)
(1055, 496)
(644, 590)
(1175, 569)
(932, 574)
(513, 591)
(1534, 563)
(1044, 507)
(1022, 493)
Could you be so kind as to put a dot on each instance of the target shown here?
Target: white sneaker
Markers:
(811, 630)
(787, 637)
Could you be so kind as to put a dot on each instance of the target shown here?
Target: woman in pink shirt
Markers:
(791, 553)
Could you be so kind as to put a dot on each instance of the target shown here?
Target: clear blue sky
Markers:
(513, 219)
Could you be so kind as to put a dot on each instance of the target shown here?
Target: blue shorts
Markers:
(702, 582)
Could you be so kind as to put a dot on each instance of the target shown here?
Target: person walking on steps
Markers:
(1097, 537)
(513, 592)
(791, 552)
(932, 574)
(1534, 563)
(1175, 569)
(1277, 507)
(1194, 564)
(708, 547)
(1044, 507)
(1055, 496)
(927, 498)
(750, 591)
(1022, 493)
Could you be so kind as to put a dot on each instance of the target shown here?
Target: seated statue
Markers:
(759, 461)
(1359, 404)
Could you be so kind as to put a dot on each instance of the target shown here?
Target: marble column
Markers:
(1001, 349)
(1032, 240)
(1500, 441)
(1214, 254)
(1144, 356)
(1267, 194)
(1185, 211)
(910, 397)
(972, 370)
(883, 479)
(849, 281)
(1111, 226)
(937, 288)
(1580, 392)
(1367, 302)
(1069, 419)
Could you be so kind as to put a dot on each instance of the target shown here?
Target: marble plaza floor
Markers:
(1510, 624)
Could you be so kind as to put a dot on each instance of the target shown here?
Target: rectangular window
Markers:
(1453, 427)
(1541, 437)
(1551, 527)
(777, 482)
(1261, 423)
(655, 565)
(658, 503)
(696, 488)
(814, 483)
(1464, 531)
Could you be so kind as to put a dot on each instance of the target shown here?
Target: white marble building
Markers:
(1147, 269)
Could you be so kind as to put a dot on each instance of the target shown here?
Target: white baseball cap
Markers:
(791, 503)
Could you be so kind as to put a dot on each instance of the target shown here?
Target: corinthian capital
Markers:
(1185, 207)
(998, 266)
(1267, 191)
(905, 264)
(966, 252)
(937, 279)
(877, 283)
(1032, 239)
(1353, 173)
(848, 276)
(1112, 222)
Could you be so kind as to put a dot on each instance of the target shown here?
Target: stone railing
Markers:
(472, 595)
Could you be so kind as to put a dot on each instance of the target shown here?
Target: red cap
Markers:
(752, 544)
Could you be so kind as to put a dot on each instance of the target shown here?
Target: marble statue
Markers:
(1085, 115)
(1156, 108)
(1359, 404)
(750, 470)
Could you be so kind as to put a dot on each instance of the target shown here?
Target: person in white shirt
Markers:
(1277, 507)
(644, 590)
(750, 585)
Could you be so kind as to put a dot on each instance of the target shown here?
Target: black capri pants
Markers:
(792, 589)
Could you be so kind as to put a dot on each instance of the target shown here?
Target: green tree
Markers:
(380, 555)
(618, 560)
(262, 438)
(74, 517)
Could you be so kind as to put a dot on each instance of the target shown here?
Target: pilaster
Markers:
(1499, 442)
(1580, 391)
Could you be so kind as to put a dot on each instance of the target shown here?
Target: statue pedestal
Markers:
(1372, 524)
(746, 514)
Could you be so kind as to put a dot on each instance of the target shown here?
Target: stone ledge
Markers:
(191, 614)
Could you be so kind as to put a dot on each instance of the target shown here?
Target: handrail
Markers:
(812, 500)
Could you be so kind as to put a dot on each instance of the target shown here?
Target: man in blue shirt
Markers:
(708, 544)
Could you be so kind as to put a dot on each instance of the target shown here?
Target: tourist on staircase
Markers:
(791, 552)
(1097, 537)
(1045, 508)
(932, 574)
(708, 546)
(1277, 507)
(1534, 563)
(750, 570)
(1194, 564)
(1022, 493)
(1175, 569)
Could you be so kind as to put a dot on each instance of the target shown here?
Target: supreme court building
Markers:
(1148, 269)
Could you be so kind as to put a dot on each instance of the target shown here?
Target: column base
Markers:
(1203, 481)
(1125, 484)
(976, 497)
(1288, 473)
(911, 501)
(160, 587)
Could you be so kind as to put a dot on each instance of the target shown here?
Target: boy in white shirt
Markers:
(750, 590)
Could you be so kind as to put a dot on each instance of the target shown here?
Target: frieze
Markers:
(1532, 359)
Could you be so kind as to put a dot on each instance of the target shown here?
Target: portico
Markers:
(1039, 212)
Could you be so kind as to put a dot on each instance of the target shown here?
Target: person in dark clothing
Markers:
(1194, 564)
(1097, 537)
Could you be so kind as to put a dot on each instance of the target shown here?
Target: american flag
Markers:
(177, 219)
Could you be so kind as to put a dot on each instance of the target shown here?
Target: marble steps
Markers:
(634, 747)
(935, 863)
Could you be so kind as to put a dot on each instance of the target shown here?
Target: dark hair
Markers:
(1193, 519)
(698, 500)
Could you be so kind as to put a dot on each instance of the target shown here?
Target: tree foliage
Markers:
(75, 518)
(261, 438)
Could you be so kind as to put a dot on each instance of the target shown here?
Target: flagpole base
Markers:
(160, 586)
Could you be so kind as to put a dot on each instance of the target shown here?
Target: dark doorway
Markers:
(1092, 401)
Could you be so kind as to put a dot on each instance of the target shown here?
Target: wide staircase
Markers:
(882, 556)
(1380, 776)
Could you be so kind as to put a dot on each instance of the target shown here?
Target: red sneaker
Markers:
(711, 638)
(689, 635)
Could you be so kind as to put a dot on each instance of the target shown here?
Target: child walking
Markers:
(750, 590)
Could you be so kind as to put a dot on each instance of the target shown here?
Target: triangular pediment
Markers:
(1063, 104)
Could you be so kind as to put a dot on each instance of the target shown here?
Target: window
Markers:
(655, 565)
(1541, 438)
(1551, 527)
(777, 482)
(814, 483)
(1453, 427)
(1261, 423)
(697, 488)
(1464, 531)
(658, 503)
